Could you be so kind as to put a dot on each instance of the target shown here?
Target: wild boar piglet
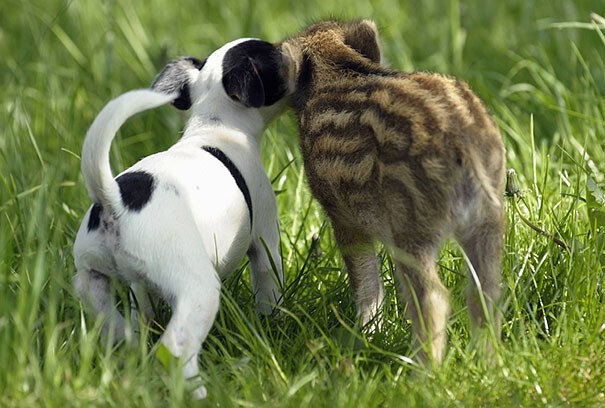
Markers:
(406, 159)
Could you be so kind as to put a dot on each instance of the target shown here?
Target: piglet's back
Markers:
(420, 133)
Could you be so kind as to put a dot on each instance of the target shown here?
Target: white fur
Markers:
(195, 230)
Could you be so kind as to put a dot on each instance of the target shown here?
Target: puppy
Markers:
(179, 221)
(403, 158)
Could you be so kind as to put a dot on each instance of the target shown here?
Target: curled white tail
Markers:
(99, 180)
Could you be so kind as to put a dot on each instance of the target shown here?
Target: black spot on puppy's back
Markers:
(94, 219)
(136, 189)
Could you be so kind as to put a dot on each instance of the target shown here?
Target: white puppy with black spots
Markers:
(179, 221)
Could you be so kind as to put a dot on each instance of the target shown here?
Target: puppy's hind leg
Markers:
(193, 288)
(94, 288)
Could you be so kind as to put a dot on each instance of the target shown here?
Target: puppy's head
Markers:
(247, 71)
(330, 42)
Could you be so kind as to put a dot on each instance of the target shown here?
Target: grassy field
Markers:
(539, 65)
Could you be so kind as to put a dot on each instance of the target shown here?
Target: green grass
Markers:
(539, 65)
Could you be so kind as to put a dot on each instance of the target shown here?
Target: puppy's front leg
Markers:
(266, 270)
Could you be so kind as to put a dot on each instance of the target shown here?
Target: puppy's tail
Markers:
(99, 180)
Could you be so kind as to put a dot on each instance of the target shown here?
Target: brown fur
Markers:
(404, 158)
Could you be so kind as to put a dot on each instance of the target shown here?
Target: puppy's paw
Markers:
(265, 308)
(269, 304)
(200, 393)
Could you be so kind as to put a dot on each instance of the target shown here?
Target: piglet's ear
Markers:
(362, 36)
(252, 73)
(176, 77)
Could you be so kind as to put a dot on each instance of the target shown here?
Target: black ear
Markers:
(362, 36)
(175, 77)
(252, 73)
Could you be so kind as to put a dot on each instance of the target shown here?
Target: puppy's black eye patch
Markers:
(251, 73)
(136, 189)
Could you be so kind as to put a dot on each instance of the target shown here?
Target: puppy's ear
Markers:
(363, 38)
(176, 77)
(253, 73)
